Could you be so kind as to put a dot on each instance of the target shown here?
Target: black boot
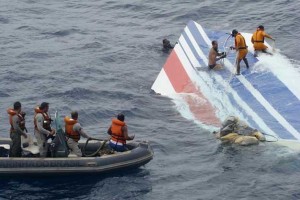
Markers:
(246, 62)
(238, 69)
(255, 53)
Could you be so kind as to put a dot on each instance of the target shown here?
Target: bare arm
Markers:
(268, 36)
(125, 132)
(77, 127)
(212, 57)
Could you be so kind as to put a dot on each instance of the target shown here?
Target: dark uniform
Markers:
(17, 122)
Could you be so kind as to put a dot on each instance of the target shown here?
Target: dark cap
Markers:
(234, 32)
(74, 115)
(261, 27)
(44, 105)
(121, 117)
(17, 105)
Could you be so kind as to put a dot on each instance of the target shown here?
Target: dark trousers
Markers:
(118, 148)
(15, 149)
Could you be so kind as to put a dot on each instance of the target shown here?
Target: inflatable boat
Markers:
(266, 96)
(98, 157)
(139, 153)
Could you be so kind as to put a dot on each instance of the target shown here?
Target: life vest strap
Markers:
(116, 143)
(74, 137)
(118, 138)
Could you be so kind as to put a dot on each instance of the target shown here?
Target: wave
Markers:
(4, 20)
(27, 28)
(38, 55)
(93, 45)
(63, 33)
(3, 94)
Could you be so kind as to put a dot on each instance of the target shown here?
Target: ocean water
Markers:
(101, 58)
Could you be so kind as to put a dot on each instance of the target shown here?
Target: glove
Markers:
(224, 56)
(231, 47)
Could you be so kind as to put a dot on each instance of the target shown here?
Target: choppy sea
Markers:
(101, 58)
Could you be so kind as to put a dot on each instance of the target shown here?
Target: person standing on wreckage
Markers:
(241, 50)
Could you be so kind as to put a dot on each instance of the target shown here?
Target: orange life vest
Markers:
(258, 36)
(117, 133)
(69, 124)
(240, 42)
(258, 39)
(11, 113)
(47, 119)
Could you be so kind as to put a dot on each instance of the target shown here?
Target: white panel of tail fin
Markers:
(211, 96)
(162, 84)
(280, 65)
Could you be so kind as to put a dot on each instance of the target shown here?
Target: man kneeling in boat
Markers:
(236, 131)
(119, 133)
(73, 132)
(214, 56)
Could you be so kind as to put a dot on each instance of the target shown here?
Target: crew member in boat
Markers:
(73, 133)
(17, 128)
(258, 39)
(214, 55)
(119, 133)
(167, 45)
(241, 49)
(42, 128)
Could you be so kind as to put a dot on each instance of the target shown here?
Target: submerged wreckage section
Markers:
(235, 131)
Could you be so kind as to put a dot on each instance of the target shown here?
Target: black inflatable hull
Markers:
(140, 154)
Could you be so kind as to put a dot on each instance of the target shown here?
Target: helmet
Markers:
(234, 32)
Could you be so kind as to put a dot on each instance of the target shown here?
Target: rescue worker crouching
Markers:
(119, 133)
(258, 39)
(73, 132)
(17, 123)
(42, 128)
